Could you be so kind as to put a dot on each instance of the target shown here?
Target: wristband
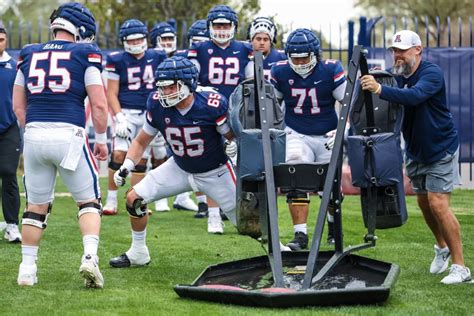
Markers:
(101, 138)
(128, 164)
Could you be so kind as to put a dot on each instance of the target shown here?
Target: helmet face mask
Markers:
(171, 92)
(176, 79)
(222, 32)
(222, 22)
(302, 43)
(133, 34)
(135, 46)
(305, 67)
(167, 43)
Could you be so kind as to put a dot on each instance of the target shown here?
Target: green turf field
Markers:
(181, 248)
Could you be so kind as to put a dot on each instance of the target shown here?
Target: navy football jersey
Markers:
(181, 52)
(137, 76)
(221, 68)
(54, 80)
(196, 144)
(309, 101)
(271, 59)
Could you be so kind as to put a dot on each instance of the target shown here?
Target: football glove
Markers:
(331, 135)
(231, 148)
(120, 176)
(121, 126)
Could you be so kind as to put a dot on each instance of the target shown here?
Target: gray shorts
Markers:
(440, 176)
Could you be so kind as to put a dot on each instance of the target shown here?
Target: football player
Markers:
(198, 32)
(262, 33)
(193, 124)
(309, 86)
(163, 36)
(130, 80)
(222, 62)
(52, 82)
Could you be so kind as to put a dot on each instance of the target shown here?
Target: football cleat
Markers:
(215, 225)
(300, 242)
(27, 275)
(110, 208)
(131, 259)
(162, 205)
(203, 210)
(12, 234)
(185, 203)
(89, 270)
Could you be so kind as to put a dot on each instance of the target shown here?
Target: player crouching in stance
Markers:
(52, 82)
(193, 124)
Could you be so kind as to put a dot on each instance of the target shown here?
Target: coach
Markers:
(432, 147)
(9, 142)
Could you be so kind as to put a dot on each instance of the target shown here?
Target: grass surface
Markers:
(181, 248)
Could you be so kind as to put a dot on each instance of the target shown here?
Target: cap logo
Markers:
(398, 39)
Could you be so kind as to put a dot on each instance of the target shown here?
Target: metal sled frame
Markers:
(219, 283)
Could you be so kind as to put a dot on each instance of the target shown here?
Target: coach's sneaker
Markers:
(162, 205)
(441, 260)
(89, 270)
(203, 210)
(215, 224)
(132, 257)
(27, 275)
(299, 242)
(184, 202)
(110, 208)
(12, 234)
(457, 274)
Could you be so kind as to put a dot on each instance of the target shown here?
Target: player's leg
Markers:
(219, 186)
(164, 181)
(298, 151)
(83, 183)
(39, 181)
(117, 157)
(203, 207)
(322, 156)
(158, 157)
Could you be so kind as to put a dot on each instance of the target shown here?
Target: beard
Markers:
(404, 69)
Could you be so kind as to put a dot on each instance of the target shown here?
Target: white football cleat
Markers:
(184, 202)
(89, 270)
(110, 208)
(12, 234)
(162, 205)
(27, 275)
(215, 224)
(3, 225)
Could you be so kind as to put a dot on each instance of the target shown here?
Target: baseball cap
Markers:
(405, 39)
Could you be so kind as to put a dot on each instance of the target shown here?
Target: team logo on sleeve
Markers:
(291, 81)
(210, 51)
(167, 120)
(94, 58)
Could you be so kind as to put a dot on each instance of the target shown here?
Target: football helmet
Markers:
(198, 32)
(76, 19)
(262, 25)
(179, 71)
(222, 14)
(130, 30)
(159, 32)
(302, 43)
